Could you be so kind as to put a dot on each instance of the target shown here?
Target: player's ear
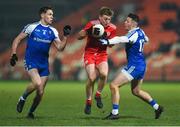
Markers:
(42, 15)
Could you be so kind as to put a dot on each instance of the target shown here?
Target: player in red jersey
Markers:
(95, 56)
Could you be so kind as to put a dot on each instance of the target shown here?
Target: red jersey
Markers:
(92, 44)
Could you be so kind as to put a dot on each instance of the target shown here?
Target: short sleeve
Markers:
(29, 28)
(133, 37)
(87, 26)
(56, 34)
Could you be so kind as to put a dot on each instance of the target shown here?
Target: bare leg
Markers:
(135, 88)
(145, 96)
(30, 88)
(35, 78)
(91, 72)
(39, 94)
(103, 72)
(119, 81)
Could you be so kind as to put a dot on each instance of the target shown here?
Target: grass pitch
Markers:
(63, 105)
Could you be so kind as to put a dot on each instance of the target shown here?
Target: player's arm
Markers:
(61, 44)
(115, 40)
(81, 35)
(121, 39)
(87, 30)
(15, 44)
(146, 39)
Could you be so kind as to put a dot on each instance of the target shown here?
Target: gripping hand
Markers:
(104, 41)
(13, 60)
(67, 30)
(89, 31)
(104, 36)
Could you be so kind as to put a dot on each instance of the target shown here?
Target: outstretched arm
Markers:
(81, 35)
(115, 40)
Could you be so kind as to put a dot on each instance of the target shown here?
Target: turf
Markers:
(63, 105)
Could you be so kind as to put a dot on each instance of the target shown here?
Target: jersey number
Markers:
(141, 45)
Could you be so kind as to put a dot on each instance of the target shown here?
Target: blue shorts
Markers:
(43, 70)
(134, 72)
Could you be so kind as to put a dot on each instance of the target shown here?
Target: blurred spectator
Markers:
(86, 18)
(57, 68)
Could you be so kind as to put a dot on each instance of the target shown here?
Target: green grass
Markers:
(63, 105)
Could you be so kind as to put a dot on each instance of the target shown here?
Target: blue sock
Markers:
(115, 106)
(152, 103)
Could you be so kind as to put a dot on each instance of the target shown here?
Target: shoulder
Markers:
(94, 22)
(53, 29)
(32, 25)
(112, 26)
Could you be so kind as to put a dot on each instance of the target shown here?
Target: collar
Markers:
(133, 29)
(43, 24)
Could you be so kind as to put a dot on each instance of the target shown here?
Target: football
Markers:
(97, 30)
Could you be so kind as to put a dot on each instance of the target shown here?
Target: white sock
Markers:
(156, 106)
(115, 111)
(21, 98)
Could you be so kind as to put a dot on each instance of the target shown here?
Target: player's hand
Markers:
(13, 60)
(67, 30)
(104, 41)
(104, 36)
(89, 31)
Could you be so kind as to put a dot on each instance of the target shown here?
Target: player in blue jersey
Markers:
(135, 69)
(40, 36)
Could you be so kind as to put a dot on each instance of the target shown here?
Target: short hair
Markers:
(44, 9)
(134, 17)
(106, 11)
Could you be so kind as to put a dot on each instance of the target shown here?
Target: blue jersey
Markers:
(134, 49)
(39, 41)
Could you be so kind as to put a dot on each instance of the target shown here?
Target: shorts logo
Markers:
(108, 33)
(29, 66)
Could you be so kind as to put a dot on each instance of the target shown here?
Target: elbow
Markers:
(61, 49)
(81, 37)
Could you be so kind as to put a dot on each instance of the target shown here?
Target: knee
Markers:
(135, 92)
(92, 78)
(103, 75)
(113, 87)
(38, 83)
(40, 92)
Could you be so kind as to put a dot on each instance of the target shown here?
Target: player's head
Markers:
(105, 15)
(132, 21)
(46, 14)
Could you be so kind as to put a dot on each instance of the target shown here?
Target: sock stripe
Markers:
(115, 106)
(152, 103)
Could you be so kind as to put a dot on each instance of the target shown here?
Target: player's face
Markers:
(48, 17)
(105, 20)
(128, 23)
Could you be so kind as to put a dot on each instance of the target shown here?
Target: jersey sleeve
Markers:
(133, 37)
(118, 39)
(146, 38)
(56, 34)
(87, 26)
(29, 28)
